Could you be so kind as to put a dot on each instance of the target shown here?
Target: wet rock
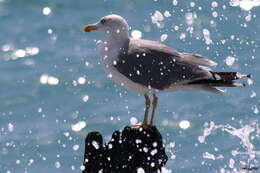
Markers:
(127, 151)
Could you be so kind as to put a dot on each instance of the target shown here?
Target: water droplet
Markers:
(19, 53)
(214, 4)
(184, 124)
(109, 75)
(136, 34)
(57, 164)
(75, 147)
(133, 120)
(53, 80)
(231, 163)
(95, 144)
(167, 14)
(253, 94)
(175, 2)
(230, 60)
(46, 11)
(182, 36)
(164, 37)
(190, 17)
(85, 98)
(140, 170)
(206, 34)
(32, 50)
(10, 127)
(78, 126)
(50, 31)
(207, 155)
(215, 14)
(248, 18)
(250, 81)
(255, 109)
(192, 4)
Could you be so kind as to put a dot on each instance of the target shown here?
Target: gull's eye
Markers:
(103, 21)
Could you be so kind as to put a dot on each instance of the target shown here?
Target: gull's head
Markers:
(112, 25)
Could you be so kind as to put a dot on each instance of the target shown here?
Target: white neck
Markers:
(117, 37)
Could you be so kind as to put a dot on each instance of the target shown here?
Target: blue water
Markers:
(43, 40)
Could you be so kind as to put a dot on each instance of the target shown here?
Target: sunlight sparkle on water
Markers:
(78, 126)
(184, 124)
(51, 80)
(32, 50)
(81, 80)
(19, 53)
(46, 11)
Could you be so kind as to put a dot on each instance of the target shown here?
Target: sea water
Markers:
(53, 90)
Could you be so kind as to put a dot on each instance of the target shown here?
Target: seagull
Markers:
(149, 67)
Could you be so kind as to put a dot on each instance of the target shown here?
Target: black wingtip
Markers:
(249, 75)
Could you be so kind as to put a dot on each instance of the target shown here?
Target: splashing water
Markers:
(244, 134)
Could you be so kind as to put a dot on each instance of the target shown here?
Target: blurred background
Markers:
(53, 90)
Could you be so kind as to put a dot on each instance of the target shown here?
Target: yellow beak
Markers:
(89, 28)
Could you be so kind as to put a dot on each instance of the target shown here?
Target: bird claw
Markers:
(142, 126)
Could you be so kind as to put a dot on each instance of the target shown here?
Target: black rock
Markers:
(127, 151)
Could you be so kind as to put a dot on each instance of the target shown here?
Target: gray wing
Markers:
(197, 59)
(153, 64)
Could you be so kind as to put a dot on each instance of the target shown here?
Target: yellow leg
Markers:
(147, 107)
(155, 101)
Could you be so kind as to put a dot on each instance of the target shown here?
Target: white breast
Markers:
(109, 54)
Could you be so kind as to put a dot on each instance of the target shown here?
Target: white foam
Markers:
(243, 133)
(246, 5)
